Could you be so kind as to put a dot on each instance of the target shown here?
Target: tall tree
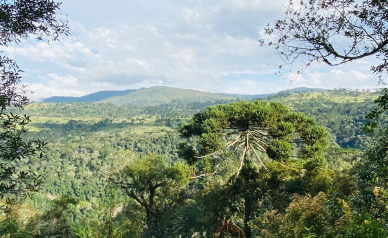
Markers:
(20, 19)
(155, 186)
(254, 130)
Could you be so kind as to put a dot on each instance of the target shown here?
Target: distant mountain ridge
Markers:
(160, 94)
(93, 97)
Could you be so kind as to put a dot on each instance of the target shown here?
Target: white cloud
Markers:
(188, 44)
(41, 91)
(248, 4)
(351, 79)
(55, 80)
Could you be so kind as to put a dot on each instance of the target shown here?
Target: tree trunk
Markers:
(153, 228)
(247, 215)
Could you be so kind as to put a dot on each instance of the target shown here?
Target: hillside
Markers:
(338, 96)
(93, 97)
(293, 90)
(160, 94)
(303, 90)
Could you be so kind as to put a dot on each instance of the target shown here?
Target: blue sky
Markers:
(203, 45)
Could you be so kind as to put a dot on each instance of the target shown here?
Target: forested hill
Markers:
(160, 94)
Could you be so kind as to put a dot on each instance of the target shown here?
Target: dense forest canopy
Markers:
(93, 148)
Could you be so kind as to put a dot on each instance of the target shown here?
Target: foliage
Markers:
(257, 126)
(279, 187)
(364, 225)
(235, 203)
(21, 18)
(14, 182)
(341, 111)
(307, 217)
(155, 186)
(371, 180)
(89, 142)
(18, 20)
(17, 222)
(331, 31)
(377, 112)
(57, 220)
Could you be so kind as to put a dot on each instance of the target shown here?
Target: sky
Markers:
(195, 44)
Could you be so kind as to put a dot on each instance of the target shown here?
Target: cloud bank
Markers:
(203, 45)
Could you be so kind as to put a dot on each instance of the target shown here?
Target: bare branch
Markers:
(244, 155)
(261, 161)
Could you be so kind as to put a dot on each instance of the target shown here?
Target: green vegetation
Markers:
(343, 112)
(261, 130)
(158, 95)
(19, 20)
(155, 186)
(124, 171)
(164, 162)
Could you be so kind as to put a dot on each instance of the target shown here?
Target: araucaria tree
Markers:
(257, 129)
(258, 132)
(18, 20)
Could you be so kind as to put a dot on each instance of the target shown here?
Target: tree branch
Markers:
(329, 48)
(261, 161)
(244, 154)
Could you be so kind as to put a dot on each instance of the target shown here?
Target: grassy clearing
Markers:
(33, 128)
(60, 120)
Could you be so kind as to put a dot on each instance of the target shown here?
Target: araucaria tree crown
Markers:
(257, 130)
